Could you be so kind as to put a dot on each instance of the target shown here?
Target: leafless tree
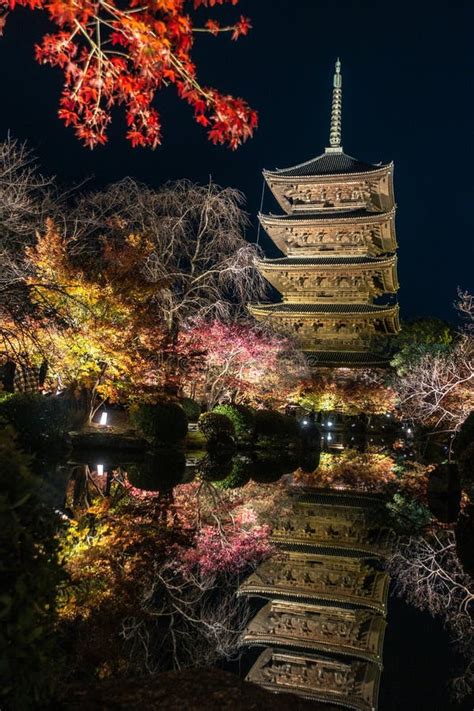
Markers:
(465, 308)
(199, 264)
(185, 620)
(438, 389)
(428, 573)
(25, 197)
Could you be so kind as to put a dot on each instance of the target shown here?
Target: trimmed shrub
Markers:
(31, 574)
(243, 419)
(35, 417)
(269, 423)
(161, 422)
(216, 427)
(158, 472)
(278, 428)
(308, 459)
(191, 408)
(215, 466)
(268, 469)
(239, 476)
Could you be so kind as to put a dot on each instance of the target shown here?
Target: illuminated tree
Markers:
(368, 471)
(189, 243)
(114, 54)
(109, 295)
(154, 582)
(85, 327)
(240, 363)
(362, 392)
(437, 389)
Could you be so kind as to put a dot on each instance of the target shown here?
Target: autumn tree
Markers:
(360, 392)
(190, 247)
(154, 587)
(110, 289)
(114, 54)
(239, 362)
(86, 327)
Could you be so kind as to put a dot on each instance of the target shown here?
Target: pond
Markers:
(418, 658)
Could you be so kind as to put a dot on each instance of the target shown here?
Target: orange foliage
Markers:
(121, 53)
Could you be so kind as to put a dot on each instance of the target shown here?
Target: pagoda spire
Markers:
(336, 112)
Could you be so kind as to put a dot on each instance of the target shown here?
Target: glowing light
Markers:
(103, 418)
(305, 422)
(329, 423)
(329, 437)
(100, 469)
(409, 431)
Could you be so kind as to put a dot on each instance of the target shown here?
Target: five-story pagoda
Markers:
(338, 238)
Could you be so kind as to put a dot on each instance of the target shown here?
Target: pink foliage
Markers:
(238, 360)
(215, 552)
(141, 494)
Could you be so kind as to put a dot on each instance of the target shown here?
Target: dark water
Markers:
(418, 657)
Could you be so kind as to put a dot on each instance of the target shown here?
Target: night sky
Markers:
(408, 96)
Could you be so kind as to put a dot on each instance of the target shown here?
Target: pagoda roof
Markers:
(330, 163)
(318, 308)
(324, 215)
(327, 261)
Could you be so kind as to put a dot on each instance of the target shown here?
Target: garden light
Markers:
(329, 423)
(305, 422)
(103, 418)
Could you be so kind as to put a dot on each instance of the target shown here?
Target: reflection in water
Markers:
(157, 471)
(87, 477)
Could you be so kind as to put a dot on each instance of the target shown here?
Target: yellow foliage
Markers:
(352, 396)
(350, 469)
(92, 327)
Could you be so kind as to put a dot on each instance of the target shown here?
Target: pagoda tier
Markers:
(313, 186)
(338, 279)
(347, 683)
(330, 326)
(356, 232)
(338, 238)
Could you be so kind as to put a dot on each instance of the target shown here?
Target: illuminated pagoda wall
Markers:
(338, 240)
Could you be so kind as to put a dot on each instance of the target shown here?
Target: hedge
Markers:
(35, 417)
(271, 424)
(162, 422)
(158, 472)
(215, 467)
(243, 419)
(216, 427)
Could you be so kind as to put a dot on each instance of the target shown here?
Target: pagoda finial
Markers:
(336, 111)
